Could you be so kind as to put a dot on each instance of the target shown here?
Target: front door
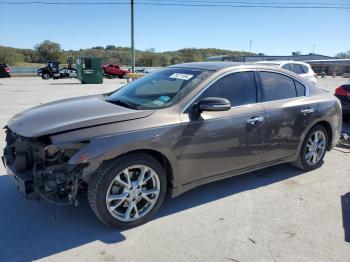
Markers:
(214, 143)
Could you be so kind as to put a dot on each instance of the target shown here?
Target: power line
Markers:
(257, 3)
(199, 4)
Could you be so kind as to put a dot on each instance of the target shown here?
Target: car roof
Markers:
(218, 66)
(269, 62)
(279, 62)
(212, 66)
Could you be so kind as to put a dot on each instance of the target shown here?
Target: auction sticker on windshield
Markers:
(181, 76)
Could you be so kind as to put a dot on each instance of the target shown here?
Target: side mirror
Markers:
(213, 104)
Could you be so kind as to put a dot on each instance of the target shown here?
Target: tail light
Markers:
(7, 70)
(341, 91)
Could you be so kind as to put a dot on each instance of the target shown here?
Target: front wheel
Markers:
(127, 191)
(45, 76)
(313, 149)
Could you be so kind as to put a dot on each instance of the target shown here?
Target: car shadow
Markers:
(227, 187)
(345, 203)
(31, 230)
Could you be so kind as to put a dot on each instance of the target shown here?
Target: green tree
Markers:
(10, 55)
(343, 54)
(110, 47)
(48, 51)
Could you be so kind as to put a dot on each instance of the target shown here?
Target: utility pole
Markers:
(132, 38)
(250, 46)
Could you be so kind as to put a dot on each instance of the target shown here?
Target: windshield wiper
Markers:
(123, 104)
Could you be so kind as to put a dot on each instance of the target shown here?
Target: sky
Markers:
(272, 31)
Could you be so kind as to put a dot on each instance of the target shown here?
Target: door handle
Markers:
(255, 120)
(307, 111)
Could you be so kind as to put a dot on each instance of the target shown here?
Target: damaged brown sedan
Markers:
(170, 131)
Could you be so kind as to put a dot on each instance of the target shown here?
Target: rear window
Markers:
(277, 86)
(296, 68)
(305, 69)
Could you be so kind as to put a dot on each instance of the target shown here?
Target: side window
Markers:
(287, 67)
(300, 88)
(238, 88)
(305, 69)
(277, 86)
(297, 69)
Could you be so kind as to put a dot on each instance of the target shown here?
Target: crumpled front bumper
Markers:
(23, 180)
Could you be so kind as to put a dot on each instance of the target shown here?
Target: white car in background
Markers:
(300, 68)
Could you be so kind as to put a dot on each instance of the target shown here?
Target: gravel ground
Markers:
(276, 214)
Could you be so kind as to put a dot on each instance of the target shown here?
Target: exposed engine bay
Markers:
(42, 169)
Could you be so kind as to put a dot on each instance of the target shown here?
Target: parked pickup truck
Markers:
(113, 70)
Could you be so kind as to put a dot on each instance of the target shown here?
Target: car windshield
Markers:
(159, 89)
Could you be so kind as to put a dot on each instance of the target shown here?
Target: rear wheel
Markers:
(313, 149)
(127, 191)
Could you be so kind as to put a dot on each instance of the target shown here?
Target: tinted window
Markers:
(305, 69)
(297, 69)
(277, 86)
(238, 88)
(300, 89)
(287, 67)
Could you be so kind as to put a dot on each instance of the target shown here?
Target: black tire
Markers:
(102, 178)
(301, 161)
(121, 76)
(45, 76)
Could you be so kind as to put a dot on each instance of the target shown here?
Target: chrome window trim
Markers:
(307, 90)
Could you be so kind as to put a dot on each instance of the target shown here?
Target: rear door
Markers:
(214, 143)
(288, 111)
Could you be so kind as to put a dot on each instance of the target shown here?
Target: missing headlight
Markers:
(61, 154)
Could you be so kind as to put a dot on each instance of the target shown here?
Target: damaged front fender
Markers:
(43, 169)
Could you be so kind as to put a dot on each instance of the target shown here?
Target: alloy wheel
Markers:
(315, 147)
(133, 193)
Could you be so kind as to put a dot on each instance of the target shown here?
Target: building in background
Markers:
(319, 63)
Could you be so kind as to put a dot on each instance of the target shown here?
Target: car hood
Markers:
(69, 114)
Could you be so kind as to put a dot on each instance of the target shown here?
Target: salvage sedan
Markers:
(170, 131)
